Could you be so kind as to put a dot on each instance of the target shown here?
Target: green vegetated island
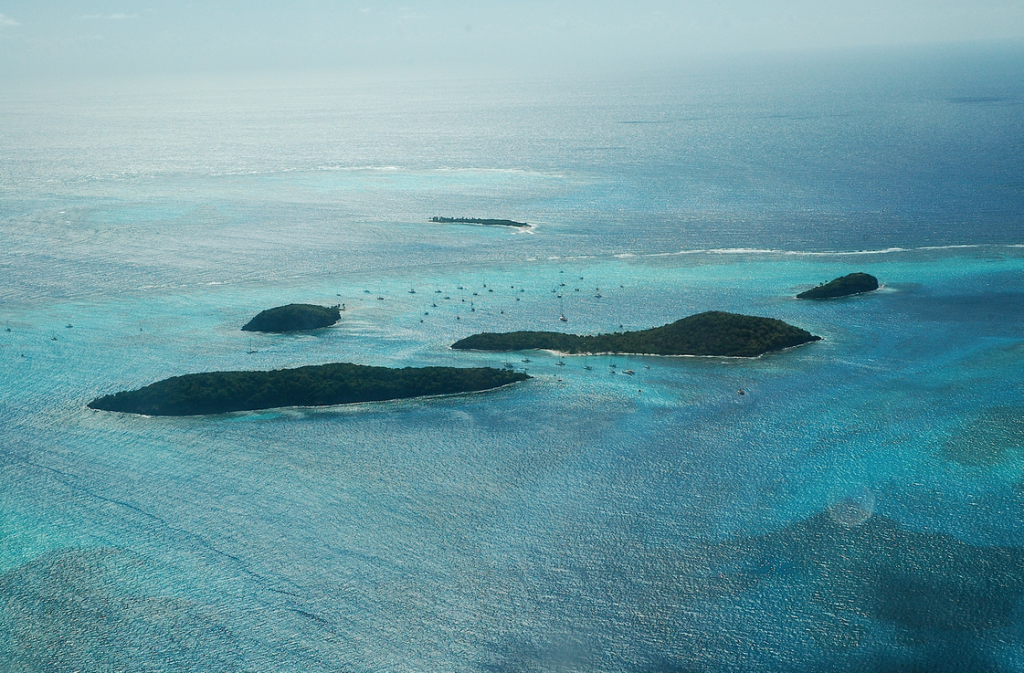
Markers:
(311, 386)
(854, 283)
(293, 318)
(710, 333)
(478, 220)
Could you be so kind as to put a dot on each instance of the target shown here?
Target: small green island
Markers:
(311, 386)
(478, 220)
(854, 283)
(293, 318)
(711, 333)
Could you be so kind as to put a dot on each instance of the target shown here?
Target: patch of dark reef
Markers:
(854, 283)
(66, 609)
(921, 580)
(478, 220)
(988, 438)
(311, 386)
(293, 318)
(711, 333)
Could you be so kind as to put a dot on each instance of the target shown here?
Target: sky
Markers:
(74, 38)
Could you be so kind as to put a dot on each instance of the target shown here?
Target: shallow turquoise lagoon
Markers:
(858, 503)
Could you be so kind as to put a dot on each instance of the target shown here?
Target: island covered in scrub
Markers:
(854, 283)
(478, 220)
(710, 333)
(311, 386)
(293, 318)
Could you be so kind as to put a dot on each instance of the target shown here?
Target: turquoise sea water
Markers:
(857, 508)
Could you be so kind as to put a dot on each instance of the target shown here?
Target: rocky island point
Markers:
(854, 283)
(293, 318)
(478, 220)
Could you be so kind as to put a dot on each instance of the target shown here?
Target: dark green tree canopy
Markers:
(316, 385)
(293, 318)
(710, 333)
(854, 283)
(479, 220)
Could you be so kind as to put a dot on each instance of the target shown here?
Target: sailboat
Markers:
(251, 348)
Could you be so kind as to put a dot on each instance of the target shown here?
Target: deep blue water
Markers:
(857, 509)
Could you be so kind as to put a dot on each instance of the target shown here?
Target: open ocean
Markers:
(860, 508)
